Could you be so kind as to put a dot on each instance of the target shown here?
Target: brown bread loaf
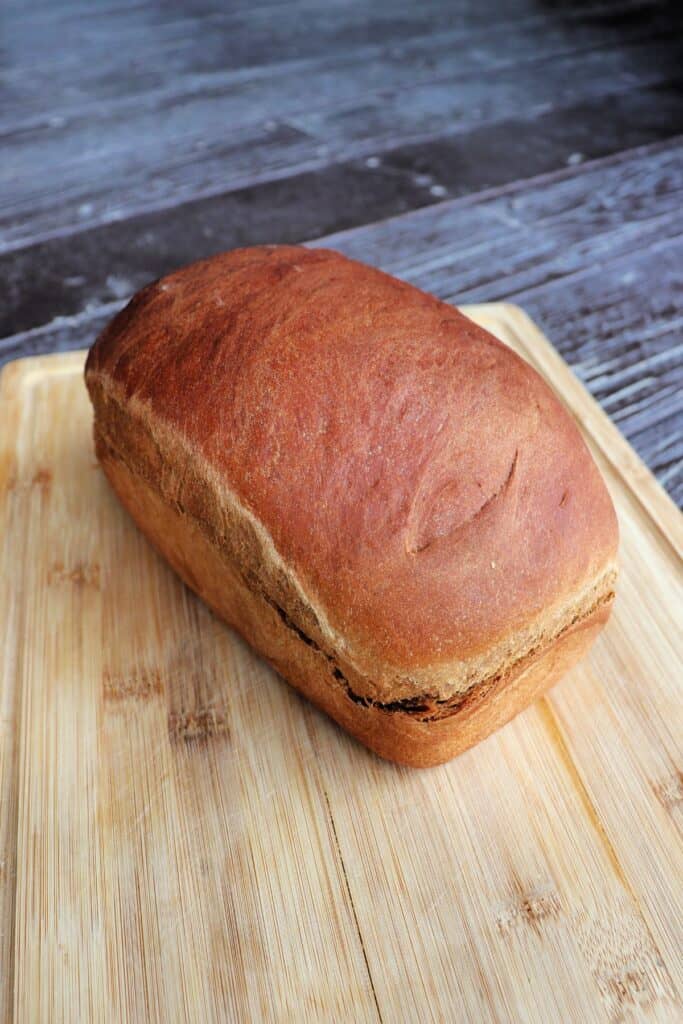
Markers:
(388, 503)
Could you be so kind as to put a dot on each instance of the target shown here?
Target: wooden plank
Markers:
(62, 335)
(60, 277)
(569, 134)
(45, 14)
(167, 155)
(437, 245)
(168, 63)
(429, 107)
(130, 902)
(165, 41)
(588, 213)
(219, 51)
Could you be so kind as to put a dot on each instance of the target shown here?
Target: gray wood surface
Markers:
(518, 150)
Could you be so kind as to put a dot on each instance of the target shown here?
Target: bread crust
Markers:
(419, 550)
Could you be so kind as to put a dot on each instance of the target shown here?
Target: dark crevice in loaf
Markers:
(426, 707)
(286, 619)
(411, 705)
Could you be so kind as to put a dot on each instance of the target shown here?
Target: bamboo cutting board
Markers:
(183, 838)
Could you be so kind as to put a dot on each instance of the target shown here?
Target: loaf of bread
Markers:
(390, 505)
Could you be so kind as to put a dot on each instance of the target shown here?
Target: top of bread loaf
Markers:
(422, 484)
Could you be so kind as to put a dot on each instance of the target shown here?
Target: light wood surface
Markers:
(183, 837)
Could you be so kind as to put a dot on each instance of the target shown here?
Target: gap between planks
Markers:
(349, 893)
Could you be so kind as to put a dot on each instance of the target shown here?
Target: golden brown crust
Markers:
(403, 489)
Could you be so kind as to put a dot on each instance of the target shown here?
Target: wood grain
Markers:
(194, 841)
(77, 270)
(169, 50)
(162, 151)
(13, 539)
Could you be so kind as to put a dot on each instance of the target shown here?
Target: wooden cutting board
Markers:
(183, 838)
